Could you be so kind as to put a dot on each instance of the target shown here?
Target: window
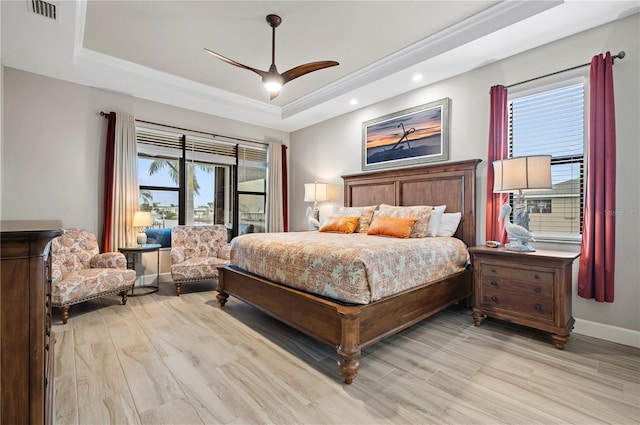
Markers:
(252, 189)
(539, 206)
(186, 179)
(552, 123)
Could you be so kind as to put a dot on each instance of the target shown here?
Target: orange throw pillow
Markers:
(340, 224)
(398, 227)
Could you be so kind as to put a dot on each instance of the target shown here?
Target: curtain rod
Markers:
(618, 56)
(106, 115)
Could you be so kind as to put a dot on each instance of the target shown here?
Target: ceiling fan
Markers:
(272, 79)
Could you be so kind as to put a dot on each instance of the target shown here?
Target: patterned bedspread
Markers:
(356, 268)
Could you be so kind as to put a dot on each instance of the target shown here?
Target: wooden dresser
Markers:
(527, 288)
(26, 340)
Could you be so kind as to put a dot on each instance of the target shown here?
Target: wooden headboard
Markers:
(452, 184)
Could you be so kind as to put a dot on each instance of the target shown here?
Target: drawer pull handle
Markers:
(493, 270)
(46, 347)
(494, 283)
(537, 290)
(536, 276)
(537, 307)
(494, 298)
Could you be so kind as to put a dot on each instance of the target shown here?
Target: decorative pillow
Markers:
(344, 224)
(398, 227)
(365, 213)
(436, 218)
(449, 224)
(420, 212)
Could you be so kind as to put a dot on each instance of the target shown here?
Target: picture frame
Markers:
(409, 137)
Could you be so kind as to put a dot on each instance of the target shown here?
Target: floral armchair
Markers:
(80, 273)
(196, 252)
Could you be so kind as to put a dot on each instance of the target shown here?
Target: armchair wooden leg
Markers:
(65, 314)
(124, 296)
(178, 288)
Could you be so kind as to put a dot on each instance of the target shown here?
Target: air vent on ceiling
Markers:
(48, 10)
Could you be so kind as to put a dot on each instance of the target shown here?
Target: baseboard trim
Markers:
(607, 332)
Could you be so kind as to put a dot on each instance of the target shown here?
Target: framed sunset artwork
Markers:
(408, 137)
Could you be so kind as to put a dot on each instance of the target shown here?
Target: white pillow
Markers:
(449, 224)
(434, 221)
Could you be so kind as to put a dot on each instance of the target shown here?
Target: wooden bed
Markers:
(351, 327)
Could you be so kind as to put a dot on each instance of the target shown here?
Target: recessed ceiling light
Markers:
(353, 101)
(417, 77)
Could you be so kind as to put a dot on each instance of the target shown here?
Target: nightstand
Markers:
(528, 288)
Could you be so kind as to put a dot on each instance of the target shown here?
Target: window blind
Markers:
(552, 123)
(210, 150)
(158, 143)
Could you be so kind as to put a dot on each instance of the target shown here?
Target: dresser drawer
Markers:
(518, 303)
(517, 273)
(537, 289)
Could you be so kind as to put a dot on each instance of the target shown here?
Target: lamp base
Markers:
(141, 238)
(520, 212)
(519, 247)
(314, 220)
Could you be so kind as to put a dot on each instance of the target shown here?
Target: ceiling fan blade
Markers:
(301, 70)
(238, 64)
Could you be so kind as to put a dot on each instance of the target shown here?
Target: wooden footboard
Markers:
(349, 328)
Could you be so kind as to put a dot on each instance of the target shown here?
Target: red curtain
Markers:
(498, 143)
(109, 159)
(597, 256)
(285, 190)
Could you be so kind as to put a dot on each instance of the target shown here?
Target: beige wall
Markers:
(54, 145)
(326, 151)
(52, 158)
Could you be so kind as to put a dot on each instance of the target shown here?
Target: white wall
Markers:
(327, 150)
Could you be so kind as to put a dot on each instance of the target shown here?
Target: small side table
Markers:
(131, 253)
(528, 288)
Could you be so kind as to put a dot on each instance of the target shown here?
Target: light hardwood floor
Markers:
(163, 359)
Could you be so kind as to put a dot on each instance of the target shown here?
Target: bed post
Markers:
(349, 348)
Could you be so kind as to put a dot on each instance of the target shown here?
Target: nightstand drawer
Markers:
(517, 273)
(543, 290)
(518, 303)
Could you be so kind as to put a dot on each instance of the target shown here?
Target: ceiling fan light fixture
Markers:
(272, 79)
(273, 83)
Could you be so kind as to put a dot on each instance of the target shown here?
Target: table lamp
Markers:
(142, 219)
(518, 174)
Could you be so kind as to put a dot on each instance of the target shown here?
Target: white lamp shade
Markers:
(315, 192)
(142, 219)
(527, 172)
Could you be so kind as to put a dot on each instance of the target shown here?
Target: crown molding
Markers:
(485, 22)
(146, 83)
